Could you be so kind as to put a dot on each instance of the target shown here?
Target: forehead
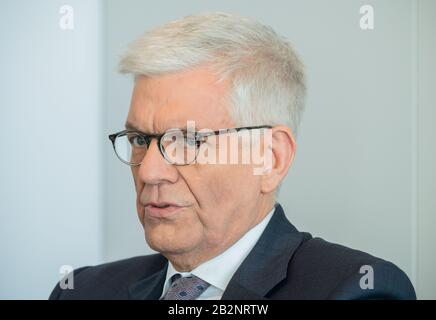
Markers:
(169, 101)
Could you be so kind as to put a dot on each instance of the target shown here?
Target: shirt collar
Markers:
(219, 270)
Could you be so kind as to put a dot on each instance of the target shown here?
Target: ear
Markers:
(282, 150)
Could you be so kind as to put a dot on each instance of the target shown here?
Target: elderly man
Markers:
(200, 82)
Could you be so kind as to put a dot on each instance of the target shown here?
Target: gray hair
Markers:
(267, 77)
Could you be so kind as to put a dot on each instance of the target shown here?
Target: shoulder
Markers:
(325, 270)
(109, 280)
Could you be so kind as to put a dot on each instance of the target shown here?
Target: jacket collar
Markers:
(265, 266)
(150, 288)
(267, 263)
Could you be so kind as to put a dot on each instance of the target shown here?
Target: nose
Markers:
(154, 169)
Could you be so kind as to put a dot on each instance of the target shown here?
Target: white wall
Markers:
(355, 177)
(351, 182)
(425, 147)
(50, 129)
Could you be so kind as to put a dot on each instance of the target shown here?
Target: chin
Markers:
(168, 249)
(167, 244)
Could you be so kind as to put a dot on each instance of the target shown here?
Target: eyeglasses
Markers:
(177, 146)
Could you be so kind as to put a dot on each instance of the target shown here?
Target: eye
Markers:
(137, 141)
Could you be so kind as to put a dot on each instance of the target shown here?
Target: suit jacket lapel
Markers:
(149, 288)
(267, 263)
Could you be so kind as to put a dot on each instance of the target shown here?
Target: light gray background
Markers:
(364, 174)
(51, 129)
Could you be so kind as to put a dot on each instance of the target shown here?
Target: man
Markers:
(219, 232)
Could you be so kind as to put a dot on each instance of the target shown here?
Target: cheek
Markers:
(209, 184)
(232, 183)
(140, 210)
(221, 190)
(135, 177)
(138, 189)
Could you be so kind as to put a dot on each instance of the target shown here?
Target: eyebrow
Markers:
(130, 126)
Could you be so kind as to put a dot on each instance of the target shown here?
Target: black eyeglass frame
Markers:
(158, 136)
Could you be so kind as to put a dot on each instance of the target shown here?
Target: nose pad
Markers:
(154, 170)
(151, 145)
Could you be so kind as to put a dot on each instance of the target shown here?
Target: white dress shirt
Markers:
(219, 270)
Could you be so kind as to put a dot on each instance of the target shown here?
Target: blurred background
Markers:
(365, 171)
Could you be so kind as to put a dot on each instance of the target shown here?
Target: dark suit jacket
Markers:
(284, 264)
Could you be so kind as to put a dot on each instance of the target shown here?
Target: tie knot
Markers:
(185, 288)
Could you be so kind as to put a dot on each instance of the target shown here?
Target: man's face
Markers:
(216, 203)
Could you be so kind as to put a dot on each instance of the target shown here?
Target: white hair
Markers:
(267, 77)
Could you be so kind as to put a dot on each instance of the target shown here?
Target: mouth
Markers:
(162, 209)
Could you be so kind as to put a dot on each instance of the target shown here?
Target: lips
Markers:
(162, 209)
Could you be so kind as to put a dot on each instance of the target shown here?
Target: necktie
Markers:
(185, 288)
